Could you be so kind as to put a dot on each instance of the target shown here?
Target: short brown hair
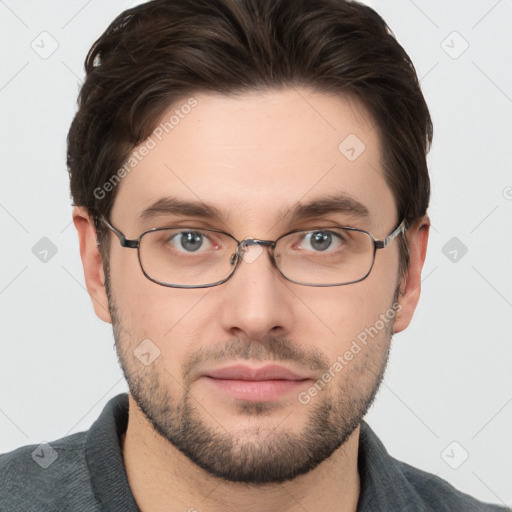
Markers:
(157, 53)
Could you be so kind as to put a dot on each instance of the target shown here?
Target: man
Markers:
(251, 196)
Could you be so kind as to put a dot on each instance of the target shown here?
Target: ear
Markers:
(92, 262)
(410, 287)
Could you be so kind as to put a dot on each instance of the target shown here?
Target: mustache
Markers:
(267, 349)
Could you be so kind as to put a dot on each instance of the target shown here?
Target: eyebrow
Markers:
(173, 205)
(336, 203)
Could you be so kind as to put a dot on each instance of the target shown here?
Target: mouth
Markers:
(261, 384)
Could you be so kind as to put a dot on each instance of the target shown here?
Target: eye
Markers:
(190, 241)
(320, 241)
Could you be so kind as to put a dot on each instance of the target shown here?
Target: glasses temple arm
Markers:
(401, 228)
(133, 244)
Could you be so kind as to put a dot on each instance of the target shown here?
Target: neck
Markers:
(163, 479)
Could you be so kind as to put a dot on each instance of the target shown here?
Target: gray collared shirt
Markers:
(84, 472)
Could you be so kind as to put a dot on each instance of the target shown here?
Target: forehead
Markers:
(256, 155)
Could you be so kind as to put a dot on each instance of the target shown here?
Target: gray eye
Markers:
(191, 241)
(320, 240)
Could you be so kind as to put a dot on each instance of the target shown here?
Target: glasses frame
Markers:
(242, 244)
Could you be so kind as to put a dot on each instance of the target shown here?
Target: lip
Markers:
(264, 384)
(243, 372)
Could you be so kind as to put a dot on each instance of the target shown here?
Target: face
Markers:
(258, 379)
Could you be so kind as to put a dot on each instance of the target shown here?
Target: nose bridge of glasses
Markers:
(250, 256)
(254, 241)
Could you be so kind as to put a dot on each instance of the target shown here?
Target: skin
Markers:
(252, 156)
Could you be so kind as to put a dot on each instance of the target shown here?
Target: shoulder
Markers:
(390, 484)
(437, 494)
(45, 477)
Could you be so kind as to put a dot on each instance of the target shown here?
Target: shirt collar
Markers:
(382, 481)
(105, 460)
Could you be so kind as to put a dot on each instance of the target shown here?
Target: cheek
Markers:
(170, 318)
(340, 316)
(146, 308)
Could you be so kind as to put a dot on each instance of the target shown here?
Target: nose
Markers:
(256, 302)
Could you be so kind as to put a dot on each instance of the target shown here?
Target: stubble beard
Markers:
(258, 455)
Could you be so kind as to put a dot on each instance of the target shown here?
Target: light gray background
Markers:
(449, 377)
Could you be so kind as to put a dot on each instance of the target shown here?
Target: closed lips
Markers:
(242, 372)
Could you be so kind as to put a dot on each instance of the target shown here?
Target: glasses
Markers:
(183, 257)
